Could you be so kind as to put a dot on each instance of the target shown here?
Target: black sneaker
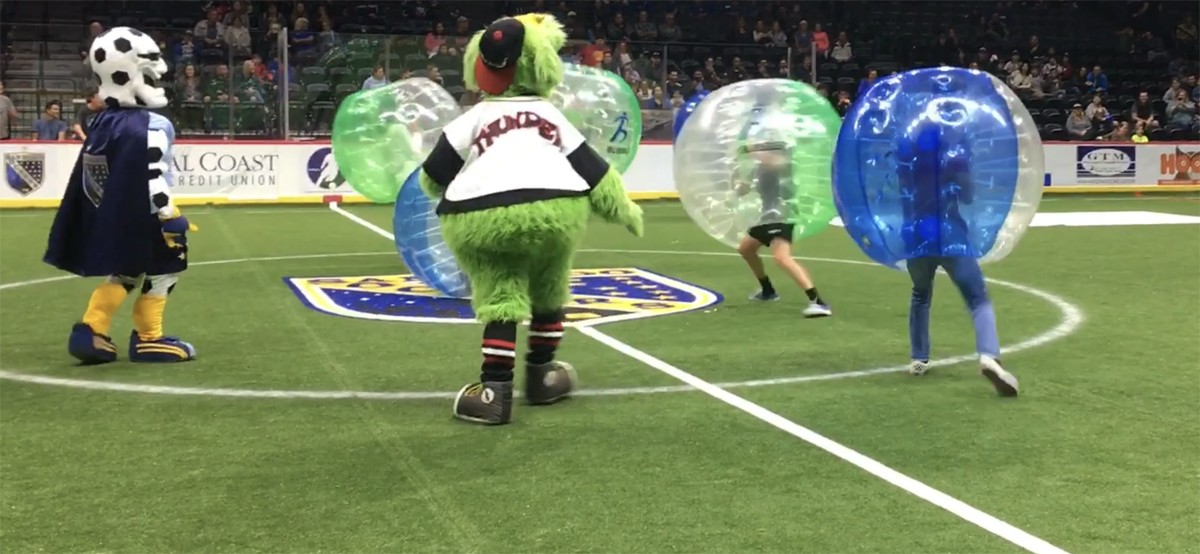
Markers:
(548, 383)
(487, 403)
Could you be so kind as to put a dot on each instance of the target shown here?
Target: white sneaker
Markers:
(918, 368)
(1005, 382)
(817, 310)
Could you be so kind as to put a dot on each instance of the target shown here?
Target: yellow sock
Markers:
(105, 302)
(148, 316)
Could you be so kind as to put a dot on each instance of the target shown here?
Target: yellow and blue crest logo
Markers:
(597, 296)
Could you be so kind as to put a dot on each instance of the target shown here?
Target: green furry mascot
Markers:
(516, 184)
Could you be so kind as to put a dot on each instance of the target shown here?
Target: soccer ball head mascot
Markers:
(117, 219)
(516, 184)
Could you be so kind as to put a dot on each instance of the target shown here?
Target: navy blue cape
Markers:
(104, 225)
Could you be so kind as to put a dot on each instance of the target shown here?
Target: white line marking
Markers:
(1071, 319)
(370, 226)
(910, 485)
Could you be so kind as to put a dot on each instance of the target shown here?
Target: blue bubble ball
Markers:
(685, 111)
(419, 241)
(937, 162)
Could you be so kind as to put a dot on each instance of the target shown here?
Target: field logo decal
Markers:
(597, 296)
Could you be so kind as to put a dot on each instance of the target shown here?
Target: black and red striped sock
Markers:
(545, 332)
(499, 351)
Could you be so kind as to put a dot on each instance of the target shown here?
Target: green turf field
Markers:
(259, 445)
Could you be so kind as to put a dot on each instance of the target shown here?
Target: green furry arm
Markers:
(610, 202)
(430, 187)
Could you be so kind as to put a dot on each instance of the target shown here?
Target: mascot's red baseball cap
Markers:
(499, 49)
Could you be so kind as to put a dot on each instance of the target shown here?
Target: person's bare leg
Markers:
(748, 248)
(781, 250)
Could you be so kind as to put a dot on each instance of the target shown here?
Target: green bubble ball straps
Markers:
(374, 150)
(812, 206)
(604, 108)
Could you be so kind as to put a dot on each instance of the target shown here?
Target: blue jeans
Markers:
(968, 278)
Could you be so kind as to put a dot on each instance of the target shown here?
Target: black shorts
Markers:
(768, 232)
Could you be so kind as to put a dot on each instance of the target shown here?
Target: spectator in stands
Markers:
(820, 40)
(644, 29)
(211, 31)
(676, 101)
(377, 79)
(945, 51)
(1173, 90)
(1192, 84)
(298, 12)
(571, 25)
(94, 30)
(616, 28)
(1096, 112)
(657, 100)
(842, 105)
(802, 40)
(672, 85)
(1185, 33)
(462, 33)
(1096, 81)
(327, 39)
(841, 51)
(239, 11)
(185, 50)
(1037, 84)
(741, 32)
(1051, 69)
(782, 69)
(1181, 113)
(1013, 63)
(669, 31)
(434, 73)
(1121, 133)
(271, 17)
(302, 41)
(1139, 134)
(866, 83)
(695, 85)
(1143, 112)
(237, 36)
(1035, 49)
(92, 105)
(804, 72)
(50, 126)
(216, 88)
(1078, 126)
(1020, 80)
(435, 39)
(737, 71)
(1152, 47)
(8, 112)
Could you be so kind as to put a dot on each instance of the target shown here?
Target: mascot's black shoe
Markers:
(90, 347)
(489, 403)
(548, 383)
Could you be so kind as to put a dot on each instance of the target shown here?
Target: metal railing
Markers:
(288, 85)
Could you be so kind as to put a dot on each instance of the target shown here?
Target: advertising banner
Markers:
(35, 173)
(1106, 164)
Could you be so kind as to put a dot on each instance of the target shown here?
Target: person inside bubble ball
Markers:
(766, 169)
(934, 214)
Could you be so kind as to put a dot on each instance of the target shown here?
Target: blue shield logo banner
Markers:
(24, 171)
(95, 177)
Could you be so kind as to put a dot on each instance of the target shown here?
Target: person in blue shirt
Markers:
(51, 126)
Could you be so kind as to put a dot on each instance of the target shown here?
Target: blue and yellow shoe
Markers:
(89, 346)
(163, 350)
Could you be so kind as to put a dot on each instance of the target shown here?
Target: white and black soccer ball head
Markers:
(129, 65)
